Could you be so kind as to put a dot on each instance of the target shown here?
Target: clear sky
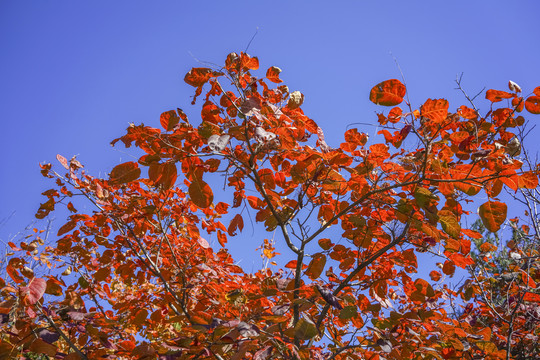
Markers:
(74, 74)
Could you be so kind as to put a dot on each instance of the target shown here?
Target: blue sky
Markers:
(75, 74)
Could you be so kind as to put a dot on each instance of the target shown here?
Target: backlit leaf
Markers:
(316, 266)
(449, 223)
(169, 119)
(528, 180)
(272, 74)
(201, 194)
(388, 93)
(198, 76)
(124, 173)
(532, 104)
(493, 215)
(305, 329)
(497, 95)
(435, 110)
(163, 174)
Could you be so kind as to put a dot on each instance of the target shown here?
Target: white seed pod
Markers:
(217, 143)
(513, 86)
(296, 99)
(263, 136)
(513, 148)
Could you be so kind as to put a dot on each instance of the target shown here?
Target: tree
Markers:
(136, 278)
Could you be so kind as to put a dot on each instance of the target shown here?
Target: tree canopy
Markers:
(134, 276)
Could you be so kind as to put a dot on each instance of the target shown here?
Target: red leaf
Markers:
(163, 174)
(272, 74)
(532, 104)
(67, 227)
(236, 223)
(201, 194)
(197, 77)
(497, 95)
(124, 173)
(435, 275)
(316, 266)
(493, 214)
(169, 119)
(388, 93)
(34, 291)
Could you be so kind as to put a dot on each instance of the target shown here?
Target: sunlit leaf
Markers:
(316, 266)
(388, 93)
(124, 173)
(169, 119)
(435, 110)
(272, 74)
(532, 104)
(449, 223)
(200, 193)
(493, 215)
(498, 95)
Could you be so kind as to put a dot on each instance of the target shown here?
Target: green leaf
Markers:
(449, 223)
(305, 329)
(424, 197)
(348, 312)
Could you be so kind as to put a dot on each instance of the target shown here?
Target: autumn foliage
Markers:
(136, 277)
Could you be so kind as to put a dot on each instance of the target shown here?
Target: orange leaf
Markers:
(528, 180)
(201, 194)
(169, 119)
(388, 93)
(467, 113)
(291, 264)
(497, 95)
(272, 74)
(435, 110)
(532, 104)
(197, 77)
(316, 266)
(493, 214)
(248, 62)
(125, 173)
